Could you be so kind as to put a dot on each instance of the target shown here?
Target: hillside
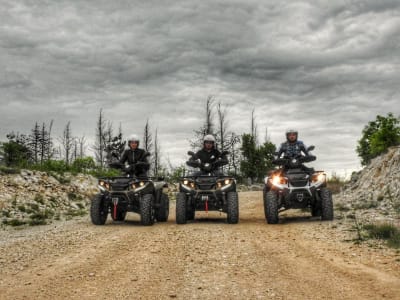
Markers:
(374, 192)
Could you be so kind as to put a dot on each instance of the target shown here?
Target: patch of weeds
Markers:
(39, 198)
(14, 222)
(340, 206)
(14, 201)
(75, 212)
(386, 231)
(5, 213)
(34, 206)
(22, 208)
(367, 205)
(80, 205)
(40, 218)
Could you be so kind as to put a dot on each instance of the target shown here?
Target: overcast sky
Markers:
(326, 68)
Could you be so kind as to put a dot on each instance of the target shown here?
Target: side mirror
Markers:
(311, 148)
(191, 153)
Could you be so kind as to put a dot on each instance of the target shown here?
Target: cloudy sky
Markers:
(326, 68)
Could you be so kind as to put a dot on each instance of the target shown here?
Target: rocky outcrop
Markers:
(33, 197)
(375, 191)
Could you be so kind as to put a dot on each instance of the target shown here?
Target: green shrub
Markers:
(387, 232)
(39, 198)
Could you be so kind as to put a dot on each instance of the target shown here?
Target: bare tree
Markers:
(34, 143)
(207, 127)
(99, 146)
(147, 138)
(67, 142)
(156, 155)
(253, 126)
(81, 145)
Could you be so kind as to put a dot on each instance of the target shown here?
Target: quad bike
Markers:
(208, 190)
(295, 186)
(122, 194)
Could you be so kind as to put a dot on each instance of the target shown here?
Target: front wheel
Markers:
(326, 205)
(232, 207)
(271, 207)
(163, 211)
(181, 217)
(146, 210)
(98, 210)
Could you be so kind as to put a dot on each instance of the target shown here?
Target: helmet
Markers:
(133, 138)
(291, 131)
(209, 138)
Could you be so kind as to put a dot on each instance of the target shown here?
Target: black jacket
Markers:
(212, 157)
(137, 161)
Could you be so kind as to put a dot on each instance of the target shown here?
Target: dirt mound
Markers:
(375, 191)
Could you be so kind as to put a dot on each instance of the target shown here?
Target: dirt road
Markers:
(301, 258)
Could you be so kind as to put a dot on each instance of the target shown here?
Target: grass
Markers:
(385, 231)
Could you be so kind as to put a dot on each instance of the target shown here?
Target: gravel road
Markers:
(300, 258)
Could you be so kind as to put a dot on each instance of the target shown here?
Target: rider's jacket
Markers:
(133, 157)
(213, 157)
(291, 150)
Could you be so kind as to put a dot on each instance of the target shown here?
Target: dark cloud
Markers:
(326, 68)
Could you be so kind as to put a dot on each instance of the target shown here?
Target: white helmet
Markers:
(133, 138)
(209, 138)
(291, 131)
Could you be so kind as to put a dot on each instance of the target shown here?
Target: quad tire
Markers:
(232, 207)
(181, 217)
(162, 212)
(271, 207)
(98, 210)
(326, 205)
(147, 210)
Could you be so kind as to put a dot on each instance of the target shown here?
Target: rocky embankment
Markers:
(374, 192)
(33, 197)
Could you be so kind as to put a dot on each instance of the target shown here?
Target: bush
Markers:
(388, 232)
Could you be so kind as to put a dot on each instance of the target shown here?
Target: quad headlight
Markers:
(278, 180)
(319, 177)
(139, 185)
(103, 185)
(224, 183)
(188, 184)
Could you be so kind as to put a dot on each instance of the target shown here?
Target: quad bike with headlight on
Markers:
(293, 185)
(208, 190)
(122, 194)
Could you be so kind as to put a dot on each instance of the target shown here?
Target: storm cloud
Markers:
(326, 68)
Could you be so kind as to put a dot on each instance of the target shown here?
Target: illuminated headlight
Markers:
(221, 184)
(318, 178)
(278, 180)
(103, 185)
(137, 186)
(188, 184)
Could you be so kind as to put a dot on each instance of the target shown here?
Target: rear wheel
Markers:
(98, 210)
(163, 211)
(326, 205)
(181, 208)
(146, 210)
(271, 207)
(232, 208)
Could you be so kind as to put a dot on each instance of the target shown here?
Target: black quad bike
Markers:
(122, 194)
(295, 186)
(207, 191)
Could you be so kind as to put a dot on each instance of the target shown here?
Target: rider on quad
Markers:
(136, 158)
(208, 159)
(295, 149)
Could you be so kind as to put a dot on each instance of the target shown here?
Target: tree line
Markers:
(249, 158)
